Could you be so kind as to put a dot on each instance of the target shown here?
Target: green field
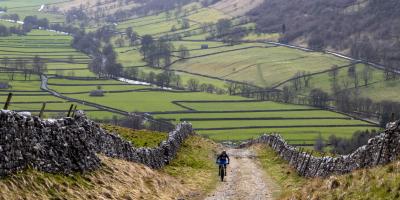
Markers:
(260, 66)
(289, 120)
(378, 89)
(31, 8)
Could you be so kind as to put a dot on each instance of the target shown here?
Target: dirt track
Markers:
(245, 179)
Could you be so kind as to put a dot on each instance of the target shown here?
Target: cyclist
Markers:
(222, 160)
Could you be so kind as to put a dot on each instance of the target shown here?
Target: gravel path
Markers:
(245, 179)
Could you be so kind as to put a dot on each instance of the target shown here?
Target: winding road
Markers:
(245, 179)
(44, 87)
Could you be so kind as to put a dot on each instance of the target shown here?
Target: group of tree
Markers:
(194, 85)
(33, 22)
(35, 65)
(226, 31)
(86, 43)
(132, 36)
(13, 17)
(157, 53)
(76, 15)
(8, 31)
(301, 80)
(105, 63)
(345, 146)
(148, 7)
(30, 22)
(97, 45)
(344, 95)
(163, 79)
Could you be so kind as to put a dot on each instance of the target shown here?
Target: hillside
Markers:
(198, 88)
(113, 181)
(365, 29)
(380, 182)
(119, 179)
(376, 183)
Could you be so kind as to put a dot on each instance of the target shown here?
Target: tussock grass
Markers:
(192, 174)
(382, 182)
(116, 179)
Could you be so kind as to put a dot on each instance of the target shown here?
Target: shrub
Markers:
(96, 93)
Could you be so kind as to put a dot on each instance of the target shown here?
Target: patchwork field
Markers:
(31, 8)
(238, 120)
(377, 88)
(220, 117)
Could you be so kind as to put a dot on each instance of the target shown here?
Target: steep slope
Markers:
(381, 182)
(365, 29)
(191, 175)
(116, 179)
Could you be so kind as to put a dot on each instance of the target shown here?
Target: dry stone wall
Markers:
(71, 144)
(381, 149)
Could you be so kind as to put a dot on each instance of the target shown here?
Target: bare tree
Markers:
(193, 84)
(232, 87)
(120, 42)
(367, 75)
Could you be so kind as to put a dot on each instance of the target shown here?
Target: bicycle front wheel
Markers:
(222, 172)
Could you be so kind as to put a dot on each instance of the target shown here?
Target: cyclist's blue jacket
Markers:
(223, 159)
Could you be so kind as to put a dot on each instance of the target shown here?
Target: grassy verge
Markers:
(194, 165)
(139, 138)
(382, 182)
(114, 180)
(285, 177)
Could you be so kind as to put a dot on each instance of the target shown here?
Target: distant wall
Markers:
(381, 149)
(71, 144)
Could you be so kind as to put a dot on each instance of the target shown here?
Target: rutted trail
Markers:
(245, 179)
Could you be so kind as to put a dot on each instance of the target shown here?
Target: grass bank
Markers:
(191, 175)
(382, 182)
(195, 167)
(284, 176)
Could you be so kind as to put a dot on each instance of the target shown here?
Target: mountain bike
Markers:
(222, 169)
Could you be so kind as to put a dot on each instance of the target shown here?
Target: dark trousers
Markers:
(219, 171)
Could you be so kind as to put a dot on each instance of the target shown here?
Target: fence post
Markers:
(42, 110)
(380, 153)
(73, 113)
(70, 109)
(7, 104)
